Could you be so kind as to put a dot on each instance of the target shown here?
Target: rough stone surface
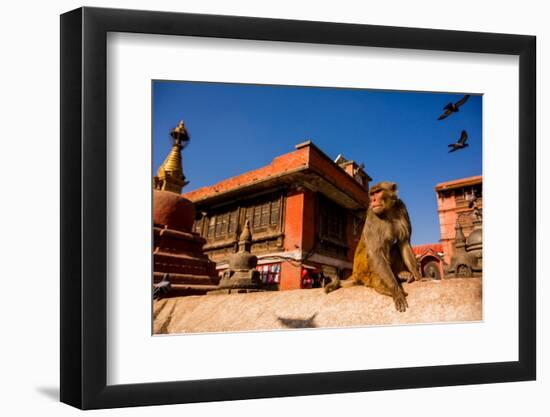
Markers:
(452, 300)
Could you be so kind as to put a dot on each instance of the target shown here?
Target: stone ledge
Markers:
(451, 300)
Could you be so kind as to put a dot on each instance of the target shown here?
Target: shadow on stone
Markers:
(298, 323)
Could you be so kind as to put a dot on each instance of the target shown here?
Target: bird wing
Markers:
(454, 149)
(462, 100)
(463, 137)
(445, 114)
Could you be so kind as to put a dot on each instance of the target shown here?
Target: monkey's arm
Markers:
(381, 266)
(405, 249)
(409, 260)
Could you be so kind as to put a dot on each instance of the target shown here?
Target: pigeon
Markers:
(453, 107)
(461, 144)
(162, 288)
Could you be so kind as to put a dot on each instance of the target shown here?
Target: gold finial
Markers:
(170, 174)
(180, 135)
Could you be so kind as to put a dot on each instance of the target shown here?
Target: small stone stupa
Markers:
(177, 253)
(467, 260)
(474, 245)
(241, 276)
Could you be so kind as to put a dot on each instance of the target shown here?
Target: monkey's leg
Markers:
(380, 265)
(397, 265)
(409, 260)
(360, 269)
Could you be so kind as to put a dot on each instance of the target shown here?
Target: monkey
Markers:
(384, 249)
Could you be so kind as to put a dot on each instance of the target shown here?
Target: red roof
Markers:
(421, 249)
(461, 182)
(306, 159)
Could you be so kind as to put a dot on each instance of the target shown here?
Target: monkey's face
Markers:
(381, 201)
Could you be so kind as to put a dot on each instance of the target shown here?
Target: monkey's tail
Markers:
(337, 283)
(333, 285)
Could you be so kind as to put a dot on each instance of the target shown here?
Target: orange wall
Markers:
(290, 276)
(290, 273)
(294, 226)
(309, 221)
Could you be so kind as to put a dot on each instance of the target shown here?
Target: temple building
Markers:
(458, 204)
(429, 258)
(305, 213)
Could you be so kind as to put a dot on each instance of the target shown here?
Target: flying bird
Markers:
(461, 144)
(453, 107)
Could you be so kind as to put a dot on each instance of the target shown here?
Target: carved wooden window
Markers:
(264, 215)
(460, 197)
(275, 212)
(332, 221)
(257, 217)
(221, 225)
(233, 220)
(249, 215)
(211, 226)
(197, 226)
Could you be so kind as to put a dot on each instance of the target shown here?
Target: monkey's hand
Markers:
(400, 301)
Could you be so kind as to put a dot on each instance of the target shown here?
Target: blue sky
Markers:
(235, 128)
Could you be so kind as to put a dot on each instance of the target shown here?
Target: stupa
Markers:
(241, 276)
(467, 260)
(177, 251)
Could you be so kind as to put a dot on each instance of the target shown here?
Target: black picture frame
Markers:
(84, 207)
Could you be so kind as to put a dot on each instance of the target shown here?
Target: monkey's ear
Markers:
(393, 186)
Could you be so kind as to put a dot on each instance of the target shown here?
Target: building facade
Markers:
(305, 211)
(457, 202)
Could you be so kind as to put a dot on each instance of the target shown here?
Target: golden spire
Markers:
(172, 163)
(170, 174)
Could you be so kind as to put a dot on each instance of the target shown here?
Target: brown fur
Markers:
(384, 249)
